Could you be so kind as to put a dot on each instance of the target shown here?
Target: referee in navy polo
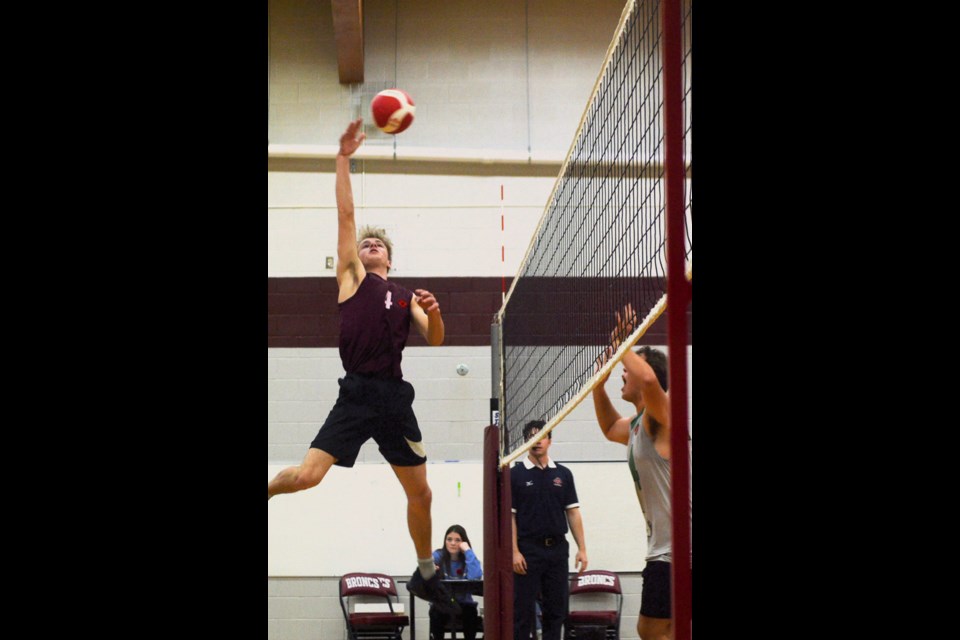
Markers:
(544, 502)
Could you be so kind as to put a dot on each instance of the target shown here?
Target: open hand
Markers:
(352, 138)
(602, 359)
(625, 326)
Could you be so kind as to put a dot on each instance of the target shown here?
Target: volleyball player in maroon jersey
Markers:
(375, 401)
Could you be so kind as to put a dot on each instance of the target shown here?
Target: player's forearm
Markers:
(607, 416)
(435, 329)
(639, 368)
(344, 190)
(576, 528)
(513, 519)
(346, 225)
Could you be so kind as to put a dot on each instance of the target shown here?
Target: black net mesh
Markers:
(601, 241)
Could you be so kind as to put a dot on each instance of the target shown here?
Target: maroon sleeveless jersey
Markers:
(374, 325)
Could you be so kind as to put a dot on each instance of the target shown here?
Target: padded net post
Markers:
(497, 542)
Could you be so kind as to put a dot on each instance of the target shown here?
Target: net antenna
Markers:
(602, 240)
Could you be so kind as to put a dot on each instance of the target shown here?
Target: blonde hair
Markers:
(380, 234)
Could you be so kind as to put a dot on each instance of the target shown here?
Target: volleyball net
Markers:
(616, 231)
(602, 239)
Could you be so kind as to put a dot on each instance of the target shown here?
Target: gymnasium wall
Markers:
(498, 74)
(465, 64)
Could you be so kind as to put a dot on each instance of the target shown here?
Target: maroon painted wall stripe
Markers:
(302, 312)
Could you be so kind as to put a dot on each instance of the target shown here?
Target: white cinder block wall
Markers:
(469, 66)
(501, 75)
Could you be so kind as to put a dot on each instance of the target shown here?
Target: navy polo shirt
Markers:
(541, 498)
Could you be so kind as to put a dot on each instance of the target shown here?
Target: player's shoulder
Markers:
(350, 279)
(563, 469)
(401, 294)
(518, 469)
(405, 289)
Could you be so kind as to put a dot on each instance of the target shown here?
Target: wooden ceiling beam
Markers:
(348, 33)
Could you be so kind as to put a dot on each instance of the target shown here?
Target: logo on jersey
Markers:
(402, 303)
(557, 482)
(529, 483)
(388, 301)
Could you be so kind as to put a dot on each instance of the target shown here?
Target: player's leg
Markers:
(401, 444)
(425, 582)
(338, 442)
(526, 588)
(655, 607)
(653, 628)
(419, 498)
(307, 474)
(555, 587)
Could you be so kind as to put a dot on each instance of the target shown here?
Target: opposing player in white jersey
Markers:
(647, 438)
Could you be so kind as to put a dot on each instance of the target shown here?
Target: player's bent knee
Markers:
(308, 478)
(313, 469)
(423, 496)
(420, 496)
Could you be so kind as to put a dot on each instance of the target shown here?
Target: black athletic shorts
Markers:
(378, 408)
(655, 597)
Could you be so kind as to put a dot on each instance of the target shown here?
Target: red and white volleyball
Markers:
(392, 110)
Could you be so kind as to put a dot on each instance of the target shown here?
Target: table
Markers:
(458, 587)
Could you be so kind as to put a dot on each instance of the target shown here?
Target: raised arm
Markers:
(350, 271)
(614, 427)
(654, 397)
(426, 316)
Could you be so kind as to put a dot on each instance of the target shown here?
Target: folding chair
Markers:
(583, 617)
(371, 590)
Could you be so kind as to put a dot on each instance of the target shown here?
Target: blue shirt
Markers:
(469, 570)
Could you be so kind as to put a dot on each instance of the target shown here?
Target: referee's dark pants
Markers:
(547, 577)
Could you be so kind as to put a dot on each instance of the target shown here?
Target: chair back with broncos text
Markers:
(595, 603)
(371, 590)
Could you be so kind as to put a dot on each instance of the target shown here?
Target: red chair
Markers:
(371, 588)
(603, 612)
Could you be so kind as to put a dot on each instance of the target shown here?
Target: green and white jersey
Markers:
(651, 476)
